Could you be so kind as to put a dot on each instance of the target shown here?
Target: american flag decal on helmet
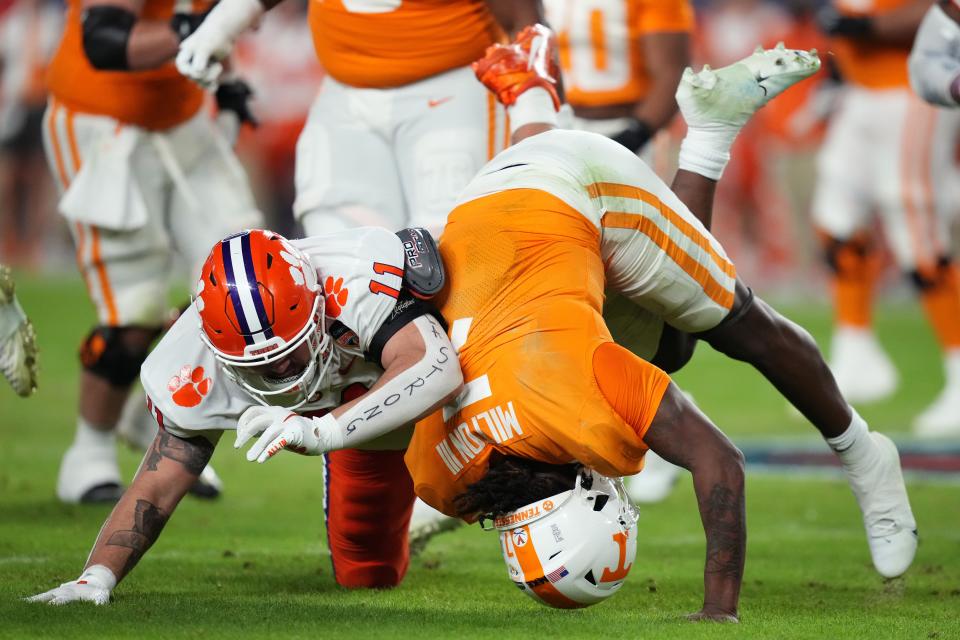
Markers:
(244, 291)
(556, 574)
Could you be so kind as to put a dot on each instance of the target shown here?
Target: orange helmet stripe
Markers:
(535, 577)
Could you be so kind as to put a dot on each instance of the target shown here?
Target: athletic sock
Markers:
(854, 446)
(857, 268)
(89, 436)
(941, 302)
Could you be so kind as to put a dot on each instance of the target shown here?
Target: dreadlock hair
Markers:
(511, 483)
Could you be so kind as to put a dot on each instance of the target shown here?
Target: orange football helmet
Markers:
(259, 300)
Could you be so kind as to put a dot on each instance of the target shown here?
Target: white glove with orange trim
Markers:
(94, 585)
(281, 428)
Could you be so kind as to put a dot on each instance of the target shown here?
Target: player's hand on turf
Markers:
(94, 586)
(279, 429)
(712, 615)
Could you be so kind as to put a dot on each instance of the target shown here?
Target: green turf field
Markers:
(255, 564)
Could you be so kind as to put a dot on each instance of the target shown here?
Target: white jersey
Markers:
(361, 271)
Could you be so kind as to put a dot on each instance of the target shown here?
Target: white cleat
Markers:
(425, 523)
(655, 482)
(18, 342)
(726, 98)
(89, 474)
(861, 367)
(942, 418)
(887, 518)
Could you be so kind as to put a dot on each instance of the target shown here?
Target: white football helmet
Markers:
(575, 548)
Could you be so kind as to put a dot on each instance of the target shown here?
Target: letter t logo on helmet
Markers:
(259, 300)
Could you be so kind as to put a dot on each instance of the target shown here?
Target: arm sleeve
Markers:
(935, 60)
(408, 308)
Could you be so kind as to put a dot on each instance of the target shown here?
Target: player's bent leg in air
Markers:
(862, 368)
(18, 344)
(368, 499)
(789, 358)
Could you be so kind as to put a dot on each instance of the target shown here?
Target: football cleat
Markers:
(863, 371)
(655, 482)
(426, 523)
(18, 342)
(942, 418)
(89, 474)
(728, 97)
(527, 62)
(882, 496)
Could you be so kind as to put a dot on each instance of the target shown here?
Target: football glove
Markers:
(94, 585)
(281, 428)
(637, 134)
(200, 54)
(527, 62)
(833, 23)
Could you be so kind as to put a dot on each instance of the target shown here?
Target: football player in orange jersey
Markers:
(399, 108)
(621, 61)
(147, 183)
(935, 57)
(888, 154)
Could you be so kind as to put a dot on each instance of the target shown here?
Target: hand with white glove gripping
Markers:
(94, 585)
(200, 54)
(281, 428)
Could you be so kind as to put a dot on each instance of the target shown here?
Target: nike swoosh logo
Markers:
(760, 80)
(438, 102)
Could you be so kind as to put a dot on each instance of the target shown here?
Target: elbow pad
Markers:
(106, 31)
(934, 63)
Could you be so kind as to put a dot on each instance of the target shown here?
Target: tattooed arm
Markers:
(681, 434)
(168, 470)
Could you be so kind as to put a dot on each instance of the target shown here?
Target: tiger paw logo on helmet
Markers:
(190, 386)
(336, 296)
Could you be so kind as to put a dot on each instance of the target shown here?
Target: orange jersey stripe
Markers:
(614, 190)
(598, 38)
(717, 292)
(535, 577)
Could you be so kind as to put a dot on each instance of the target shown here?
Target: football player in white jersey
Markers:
(935, 57)
(330, 326)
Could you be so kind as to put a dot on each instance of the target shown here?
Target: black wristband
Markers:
(635, 136)
(184, 24)
(839, 25)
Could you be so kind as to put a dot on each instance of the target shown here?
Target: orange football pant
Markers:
(367, 503)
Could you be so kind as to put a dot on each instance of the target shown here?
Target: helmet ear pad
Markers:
(573, 549)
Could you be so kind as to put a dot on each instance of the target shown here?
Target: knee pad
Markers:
(107, 353)
(926, 279)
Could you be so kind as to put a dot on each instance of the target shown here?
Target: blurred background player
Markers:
(18, 346)
(935, 58)
(621, 61)
(29, 31)
(890, 154)
(402, 112)
(148, 183)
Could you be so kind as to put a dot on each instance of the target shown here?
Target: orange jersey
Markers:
(875, 66)
(601, 53)
(155, 99)
(389, 43)
(524, 298)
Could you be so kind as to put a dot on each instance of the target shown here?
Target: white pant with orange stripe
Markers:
(661, 262)
(889, 153)
(179, 190)
(394, 157)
